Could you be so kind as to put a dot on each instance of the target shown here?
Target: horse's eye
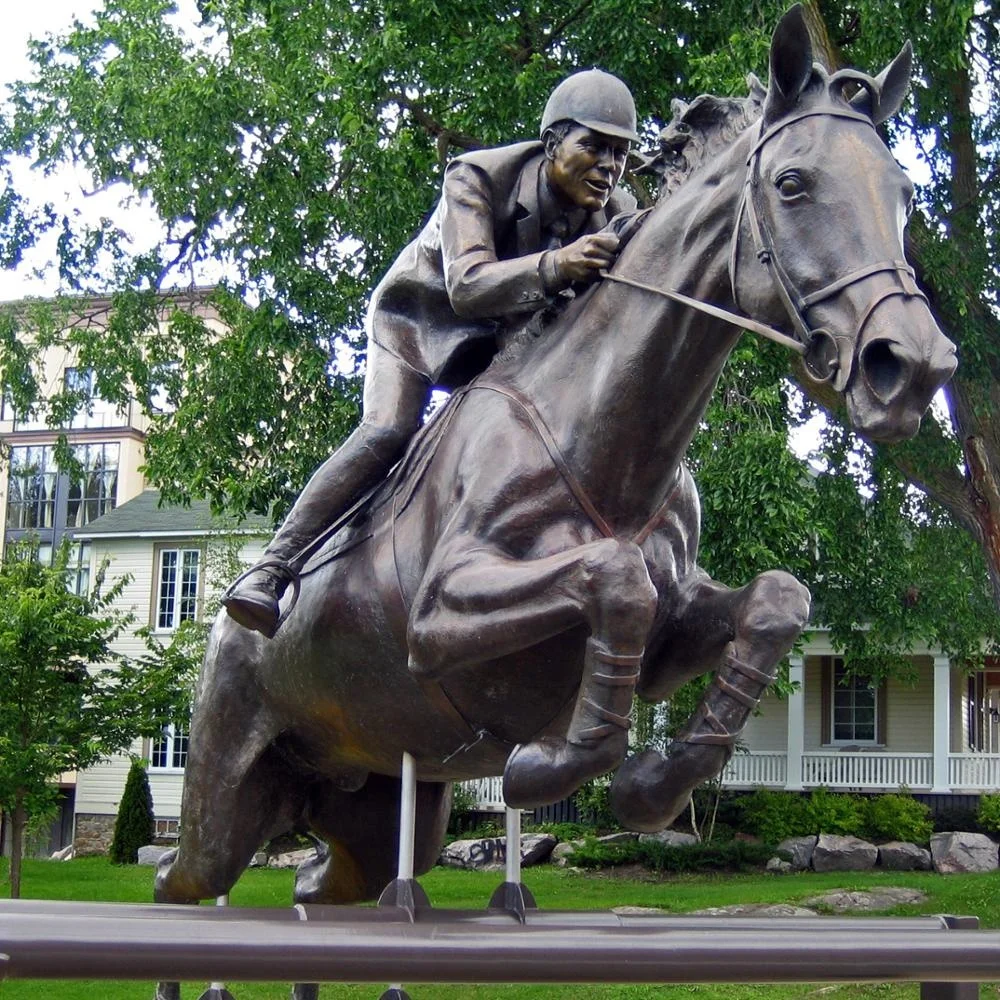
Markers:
(790, 184)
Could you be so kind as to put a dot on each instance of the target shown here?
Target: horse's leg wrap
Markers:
(549, 769)
(651, 789)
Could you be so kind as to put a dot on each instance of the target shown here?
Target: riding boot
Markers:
(551, 768)
(651, 790)
(360, 463)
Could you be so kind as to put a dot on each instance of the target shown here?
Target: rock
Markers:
(561, 852)
(843, 854)
(963, 852)
(292, 859)
(899, 856)
(800, 850)
(636, 911)
(259, 860)
(756, 910)
(884, 898)
(151, 853)
(66, 854)
(622, 837)
(492, 852)
(778, 866)
(672, 838)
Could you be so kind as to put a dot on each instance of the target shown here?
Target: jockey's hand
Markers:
(582, 259)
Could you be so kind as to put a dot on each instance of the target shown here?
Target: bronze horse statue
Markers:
(532, 563)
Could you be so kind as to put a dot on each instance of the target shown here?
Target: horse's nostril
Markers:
(882, 368)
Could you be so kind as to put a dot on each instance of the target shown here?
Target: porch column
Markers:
(942, 723)
(796, 725)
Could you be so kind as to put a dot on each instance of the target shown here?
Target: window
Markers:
(78, 569)
(31, 487)
(169, 752)
(853, 706)
(94, 491)
(177, 590)
(93, 411)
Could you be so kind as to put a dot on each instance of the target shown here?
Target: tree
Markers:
(135, 823)
(299, 143)
(66, 698)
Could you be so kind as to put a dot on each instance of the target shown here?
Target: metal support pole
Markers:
(405, 892)
(218, 991)
(513, 896)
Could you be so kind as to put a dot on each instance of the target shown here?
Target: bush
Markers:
(134, 824)
(898, 817)
(988, 816)
(463, 802)
(736, 856)
(593, 802)
(773, 816)
(827, 812)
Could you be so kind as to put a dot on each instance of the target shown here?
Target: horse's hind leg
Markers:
(362, 831)
(749, 630)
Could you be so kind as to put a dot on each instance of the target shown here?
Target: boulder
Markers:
(756, 910)
(622, 837)
(491, 853)
(800, 851)
(843, 854)
(883, 898)
(561, 852)
(963, 852)
(66, 854)
(899, 856)
(292, 859)
(672, 838)
(778, 866)
(151, 853)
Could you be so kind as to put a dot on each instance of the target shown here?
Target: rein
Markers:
(822, 352)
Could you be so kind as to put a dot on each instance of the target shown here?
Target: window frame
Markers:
(828, 670)
(176, 743)
(156, 594)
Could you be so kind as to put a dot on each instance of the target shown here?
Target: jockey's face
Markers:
(586, 166)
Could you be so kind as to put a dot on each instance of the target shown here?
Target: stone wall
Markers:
(93, 833)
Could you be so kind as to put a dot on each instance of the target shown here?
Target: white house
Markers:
(167, 552)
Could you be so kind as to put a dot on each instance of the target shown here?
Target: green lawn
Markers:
(96, 879)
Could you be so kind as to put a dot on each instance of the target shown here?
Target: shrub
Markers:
(988, 816)
(736, 856)
(827, 812)
(463, 802)
(773, 816)
(593, 802)
(134, 824)
(898, 817)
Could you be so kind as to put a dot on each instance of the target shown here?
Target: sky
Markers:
(66, 190)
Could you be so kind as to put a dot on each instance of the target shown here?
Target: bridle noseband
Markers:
(824, 353)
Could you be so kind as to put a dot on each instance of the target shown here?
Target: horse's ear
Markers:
(892, 85)
(757, 90)
(791, 63)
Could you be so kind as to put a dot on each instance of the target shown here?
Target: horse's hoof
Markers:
(551, 769)
(650, 790)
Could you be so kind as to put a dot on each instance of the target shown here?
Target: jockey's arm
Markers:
(479, 284)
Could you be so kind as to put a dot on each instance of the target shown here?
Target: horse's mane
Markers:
(699, 131)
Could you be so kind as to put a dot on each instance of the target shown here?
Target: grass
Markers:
(96, 879)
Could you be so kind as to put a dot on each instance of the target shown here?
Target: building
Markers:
(177, 561)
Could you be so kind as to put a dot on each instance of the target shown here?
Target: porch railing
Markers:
(868, 770)
(977, 771)
(752, 769)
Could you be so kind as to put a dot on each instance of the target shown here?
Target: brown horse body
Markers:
(547, 512)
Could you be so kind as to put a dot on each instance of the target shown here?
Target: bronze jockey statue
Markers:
(515, 226)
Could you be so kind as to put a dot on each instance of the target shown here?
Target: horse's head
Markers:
(824, 211)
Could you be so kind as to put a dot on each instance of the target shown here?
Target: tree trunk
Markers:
(19, 819)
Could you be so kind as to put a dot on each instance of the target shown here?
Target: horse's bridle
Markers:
(826, 356)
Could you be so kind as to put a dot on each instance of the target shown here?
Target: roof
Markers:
(145, 516)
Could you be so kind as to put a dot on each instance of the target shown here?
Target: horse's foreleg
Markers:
(479, 605)
(754, 628)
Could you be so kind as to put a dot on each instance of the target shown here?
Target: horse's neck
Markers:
(624, 383)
